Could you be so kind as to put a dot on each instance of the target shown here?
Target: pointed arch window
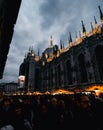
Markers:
(99, 58)
(69, 72)
(82, 68)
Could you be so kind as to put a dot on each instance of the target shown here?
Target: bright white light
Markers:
(21, 81)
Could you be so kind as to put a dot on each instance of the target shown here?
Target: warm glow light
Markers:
(96, 88)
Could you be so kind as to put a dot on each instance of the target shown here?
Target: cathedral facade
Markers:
(79, 64)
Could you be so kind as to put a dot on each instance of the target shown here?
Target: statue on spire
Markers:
(101, 14)
(51, 42)
(83, 29)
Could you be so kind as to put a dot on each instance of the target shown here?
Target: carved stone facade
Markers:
(80, 64)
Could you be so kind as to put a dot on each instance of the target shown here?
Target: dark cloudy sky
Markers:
(38, 20)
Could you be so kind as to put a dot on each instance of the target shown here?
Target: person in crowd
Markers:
(97, 109)
(65, 118)
(19, 121)
(5, 113)
(53, 113)
(84, 118)
(43, 118)
(28, 109)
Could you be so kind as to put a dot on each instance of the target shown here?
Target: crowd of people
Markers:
(42, 112)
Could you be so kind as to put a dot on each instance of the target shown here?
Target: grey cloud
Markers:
(38, 20)
(50, 11)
